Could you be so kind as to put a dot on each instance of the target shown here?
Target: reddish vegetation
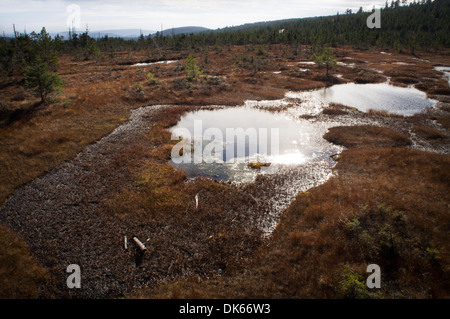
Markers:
(366, 137)
(388, 204)
(21, 273)
(375, 211)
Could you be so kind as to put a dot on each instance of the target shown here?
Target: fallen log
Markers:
(139, 244)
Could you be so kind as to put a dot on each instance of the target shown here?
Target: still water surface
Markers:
(280, 141)
(382, 97)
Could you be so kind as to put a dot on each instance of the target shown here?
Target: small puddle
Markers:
(350, 65)
(445, 70)
(304, 63)
(402, 63)
(382, 97)
(153, 63)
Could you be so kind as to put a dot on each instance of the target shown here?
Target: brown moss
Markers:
(337, 109)
(366, 137)
(21, 274)
(374, 211)
(405, 80)
(429, 133)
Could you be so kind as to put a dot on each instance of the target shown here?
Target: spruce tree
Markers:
(41, 81)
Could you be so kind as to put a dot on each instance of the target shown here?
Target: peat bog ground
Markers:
(91, 167)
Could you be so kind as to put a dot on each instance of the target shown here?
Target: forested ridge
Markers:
(420, 25)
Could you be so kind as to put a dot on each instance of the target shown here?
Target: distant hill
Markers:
(124, 33)
(183, 30)
(129, 34)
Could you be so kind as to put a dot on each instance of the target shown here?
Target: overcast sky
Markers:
(99, 15)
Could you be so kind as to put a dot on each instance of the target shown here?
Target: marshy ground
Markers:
(91, 167)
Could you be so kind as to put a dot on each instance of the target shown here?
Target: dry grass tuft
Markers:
(366, 137)
(21, 274)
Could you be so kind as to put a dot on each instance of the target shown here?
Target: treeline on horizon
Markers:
(423, 25)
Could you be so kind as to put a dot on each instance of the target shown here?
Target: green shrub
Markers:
(139, 88)
(261, 51)
(353, 285)
(433, 253)
(151, 79)
(354, 226)
(41, 81)
(192, 69)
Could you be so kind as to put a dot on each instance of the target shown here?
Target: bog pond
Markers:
(380, 97)
(230, 139)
